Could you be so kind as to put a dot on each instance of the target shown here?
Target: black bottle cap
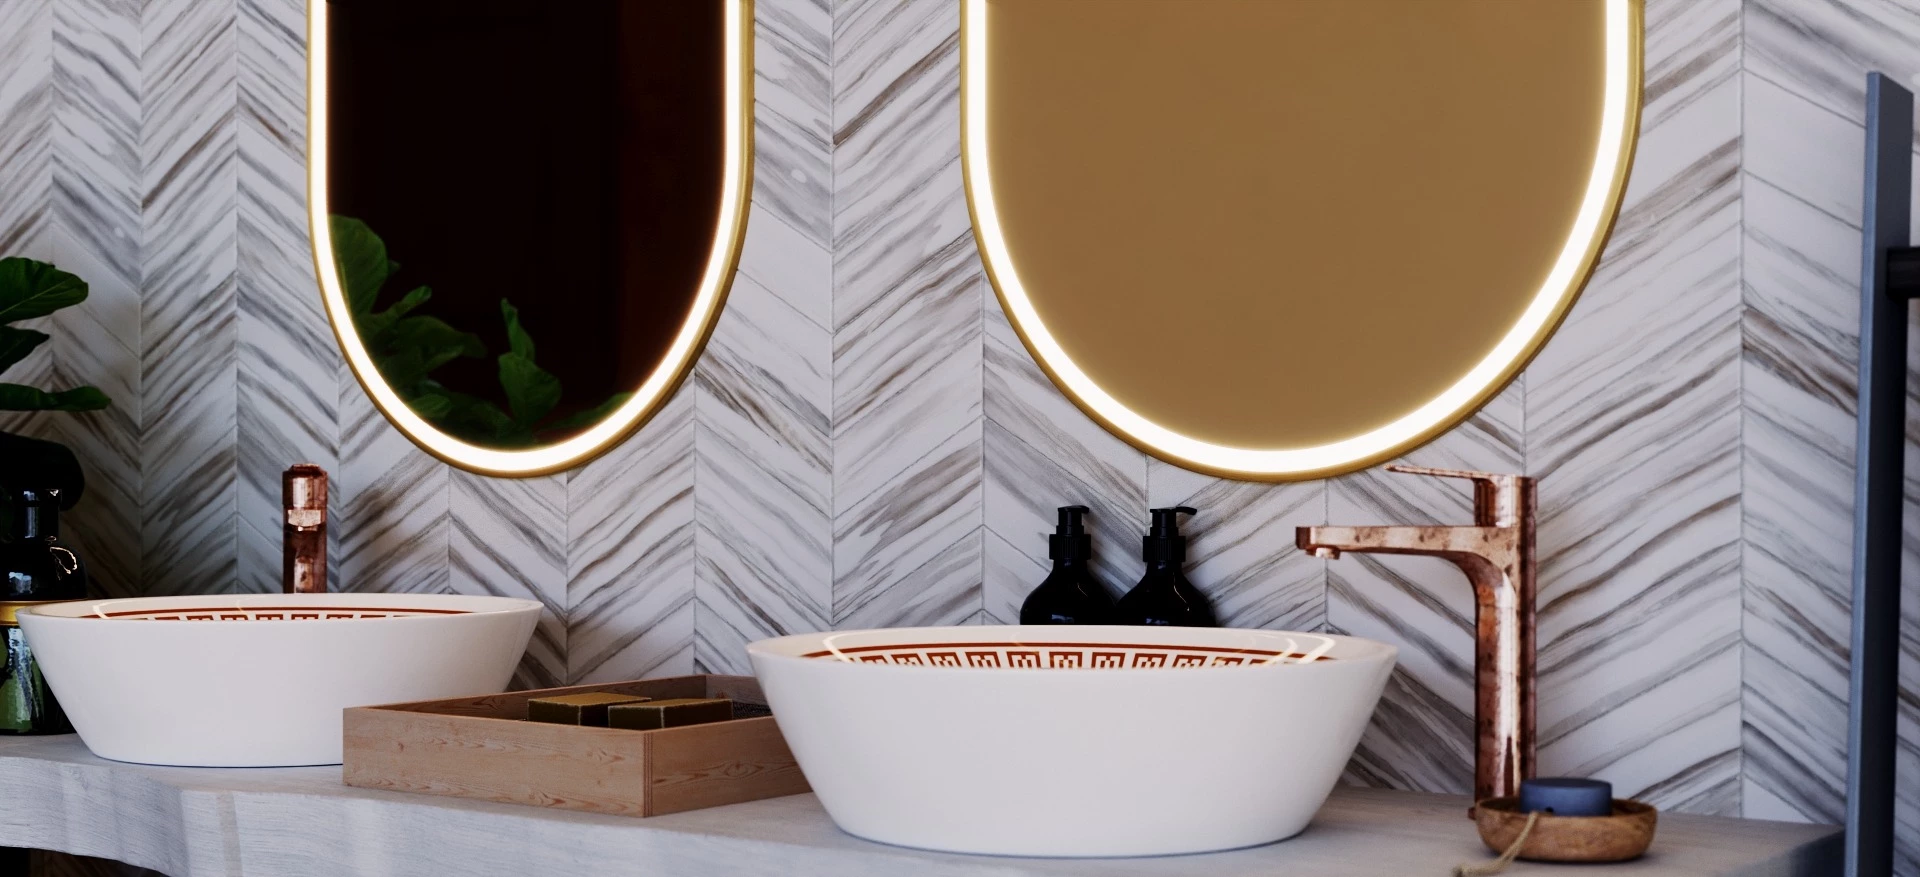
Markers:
(1164, 544)
(1070, 541)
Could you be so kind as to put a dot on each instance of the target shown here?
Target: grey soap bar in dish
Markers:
(588, 709)
(672, 713)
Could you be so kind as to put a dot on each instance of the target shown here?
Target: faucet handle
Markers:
(1498, 500)
(1446, 473)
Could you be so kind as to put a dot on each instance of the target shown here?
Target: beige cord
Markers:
(1506, 858)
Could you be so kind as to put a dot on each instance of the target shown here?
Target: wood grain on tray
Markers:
(482, 747)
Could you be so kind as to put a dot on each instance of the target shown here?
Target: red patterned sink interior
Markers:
(1064, 656)
(271, 613)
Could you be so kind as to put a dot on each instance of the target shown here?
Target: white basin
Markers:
(259, 680)
(1072, 741)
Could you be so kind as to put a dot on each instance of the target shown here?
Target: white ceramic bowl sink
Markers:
(259, 680)
(1072, 741)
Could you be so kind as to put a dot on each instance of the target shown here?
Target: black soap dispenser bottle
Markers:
(1070, 594)
(1164, 596)
(35, 567)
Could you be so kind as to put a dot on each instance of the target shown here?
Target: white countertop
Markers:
(291, 822)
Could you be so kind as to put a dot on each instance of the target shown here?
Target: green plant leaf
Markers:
(532, 392)
(373, 327)
(410, 301)
(518, 341)
(31, 289)
(431, 406)
(361, 257)
(15, 344)
(476, 420)
(589, 417)
(14, 397)
(433, 340)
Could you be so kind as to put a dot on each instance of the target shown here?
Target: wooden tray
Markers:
(481, 747)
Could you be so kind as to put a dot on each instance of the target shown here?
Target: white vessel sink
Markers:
(1072, 741)
(259, 680)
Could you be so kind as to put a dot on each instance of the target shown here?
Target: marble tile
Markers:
(790, 265)
(290, 368)
(1822, 49)
(1800, 330)
(907, 342)
(96, 199)
(1024, 486)
(1690, 45)
(26, 102)
(896, 147)
(1422, 605)
(1807, 64)
(1633, 427)
(97, 115)
(793, 173)
(763, 477)
(1042, 452)
(763, 391)
(1009, 572)
(89, 349)
(390, 504)
(26, 168)
(508, 539)
(1417, 737)
(189, 160)
(630, 554)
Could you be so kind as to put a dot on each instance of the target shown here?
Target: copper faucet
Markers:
(303, 488)
(1496, 553)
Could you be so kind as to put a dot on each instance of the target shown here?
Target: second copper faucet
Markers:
(303, 488)
(1497, 554)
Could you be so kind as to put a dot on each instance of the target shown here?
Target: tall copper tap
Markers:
(1496, 553)
(303, 488)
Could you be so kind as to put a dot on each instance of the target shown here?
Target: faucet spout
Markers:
(1497, 555)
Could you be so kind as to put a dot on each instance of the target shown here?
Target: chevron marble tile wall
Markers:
(865, 441)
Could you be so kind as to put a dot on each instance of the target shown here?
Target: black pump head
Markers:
(1070, 541)
(1166, 522)
(1164, 544)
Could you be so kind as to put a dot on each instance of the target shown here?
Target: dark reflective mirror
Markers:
(523, 198)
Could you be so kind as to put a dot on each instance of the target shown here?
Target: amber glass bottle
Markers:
(36, 568)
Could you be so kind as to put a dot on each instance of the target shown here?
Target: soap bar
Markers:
(670, 713)
(1564, 796)
(578, 709)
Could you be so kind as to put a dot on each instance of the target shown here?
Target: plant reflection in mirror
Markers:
(407, 345)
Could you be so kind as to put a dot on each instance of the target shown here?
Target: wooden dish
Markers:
(482, 747)
(1616, 838)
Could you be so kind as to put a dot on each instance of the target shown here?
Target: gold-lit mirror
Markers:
(1285, 240)
(526, 213)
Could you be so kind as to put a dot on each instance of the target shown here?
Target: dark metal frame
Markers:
(1889, 280)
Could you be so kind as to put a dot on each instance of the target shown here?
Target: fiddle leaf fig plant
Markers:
(31, 289)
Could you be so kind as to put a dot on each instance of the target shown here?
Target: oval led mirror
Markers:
(526, 214)
(1279, 241)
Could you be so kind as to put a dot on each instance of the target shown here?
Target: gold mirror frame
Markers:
(1545, 310)
(688, 342)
